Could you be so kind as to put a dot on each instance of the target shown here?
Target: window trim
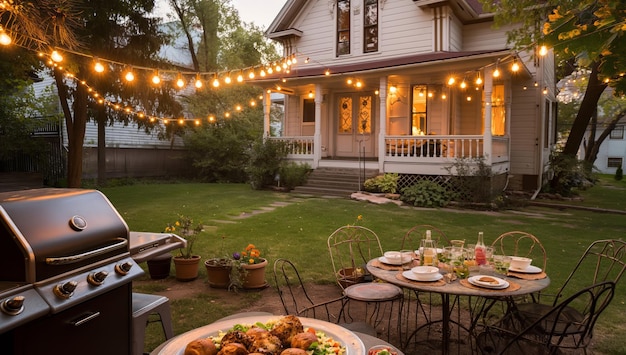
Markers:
(617, 132)
(340, 32)
(373, 26)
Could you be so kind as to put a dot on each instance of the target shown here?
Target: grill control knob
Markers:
(65, 290)
(97, 278)
(123, 268)
(13, 306)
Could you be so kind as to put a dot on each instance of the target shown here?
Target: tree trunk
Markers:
(588, 106)
(75, 127)
(592, 152)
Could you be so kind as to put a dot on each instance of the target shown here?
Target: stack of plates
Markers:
(411, 276)
(486, 281)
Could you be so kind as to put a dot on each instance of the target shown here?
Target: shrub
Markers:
(264, 162)
(387, 183)
(472, 180)
(619, 174)
(426, 194)
(568, 173)
(293, 174)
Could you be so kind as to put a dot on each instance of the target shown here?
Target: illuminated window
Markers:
(418, 110)
(370, 26)
(345, 114)
(343, 27)
(498, 111)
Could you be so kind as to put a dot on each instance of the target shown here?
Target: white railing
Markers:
(434, 146)
(300, 145)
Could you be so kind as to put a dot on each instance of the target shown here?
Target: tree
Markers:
(587, 34)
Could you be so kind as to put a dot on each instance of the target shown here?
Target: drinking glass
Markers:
(501, 264)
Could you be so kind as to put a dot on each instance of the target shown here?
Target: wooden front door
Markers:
(354, 129)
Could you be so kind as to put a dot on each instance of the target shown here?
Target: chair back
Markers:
(295, 298)
(568, 329)
(350, 248)
(603, 260)
(413, 236)
(518, 243)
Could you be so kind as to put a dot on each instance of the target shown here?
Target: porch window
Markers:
(370, 26)
(614, 162)
(345, 115)
(365, 115)
(617, 132)
(418, 110)
(343, 27)
(308, 110)
(498, 111)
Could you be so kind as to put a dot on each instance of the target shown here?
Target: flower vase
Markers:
(187, 268)
(218, 272)
(253, 275)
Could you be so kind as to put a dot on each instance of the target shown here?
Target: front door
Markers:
(354, 129)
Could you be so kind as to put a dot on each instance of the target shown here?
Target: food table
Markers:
(354, 342)
(526, 284)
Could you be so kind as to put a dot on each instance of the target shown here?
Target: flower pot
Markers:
(218, 272)
(187, 268)
(159, 266)
(253, 275)
(349, 276)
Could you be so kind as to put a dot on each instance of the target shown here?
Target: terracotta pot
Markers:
(159, 266)
(348, 277)
(187, 269)
(253, 275)
(218, 272)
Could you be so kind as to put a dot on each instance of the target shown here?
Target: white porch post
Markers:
(487, 141)
(267, 103)
(382, 130)
(317, 136)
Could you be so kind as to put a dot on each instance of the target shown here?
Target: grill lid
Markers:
(47, 232)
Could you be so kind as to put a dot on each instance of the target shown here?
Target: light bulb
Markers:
(156, 79)
(515, 66)
(56, 56)
(180, 82)
(129, 76)
(5, 40)
(451, 81)
(543, 50)
(198, 83)
(98, 67)
(310, 94)
(496, 73)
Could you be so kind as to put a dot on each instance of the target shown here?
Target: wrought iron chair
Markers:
(413, 236)
(518, 243)
(295, 298)
(603, 261)
(350, 248)
(564, 325)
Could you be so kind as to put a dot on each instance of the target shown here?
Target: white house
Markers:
(612, 151)
(410, 86)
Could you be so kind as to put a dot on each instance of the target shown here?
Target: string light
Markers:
(56, 56)
(5, 40)
(543, 51)
(180, 82)
(198, 82)
(98, 67)
(479, 80)
(515, 66)
(156, 79)
(129, 76)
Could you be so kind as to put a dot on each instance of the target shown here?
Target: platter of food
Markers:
(282, 334)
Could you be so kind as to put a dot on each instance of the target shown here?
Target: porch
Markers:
(421, 155)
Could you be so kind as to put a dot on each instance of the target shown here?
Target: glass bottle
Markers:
(429, 251)
(479, 250)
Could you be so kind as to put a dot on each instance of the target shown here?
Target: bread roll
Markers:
(233, 349)
(293, 351)
(303, 340)
(201, 347)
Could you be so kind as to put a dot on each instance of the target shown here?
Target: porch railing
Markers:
(297, 146)
(440, 146)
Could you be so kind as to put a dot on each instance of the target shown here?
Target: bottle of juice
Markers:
(479, 250)
(429, 250)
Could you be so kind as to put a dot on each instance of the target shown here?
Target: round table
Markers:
(454, 288)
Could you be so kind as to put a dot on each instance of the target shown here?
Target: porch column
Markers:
(267, 104)
(487, 127)
(382, 124)
(317, 136)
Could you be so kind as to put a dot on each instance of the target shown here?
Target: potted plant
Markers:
(249, 272)
(219, 269)
(186, 263)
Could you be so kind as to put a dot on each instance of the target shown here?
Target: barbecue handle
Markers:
(86, 319)
(62, 260)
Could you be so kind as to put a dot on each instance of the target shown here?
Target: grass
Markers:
(298, 231)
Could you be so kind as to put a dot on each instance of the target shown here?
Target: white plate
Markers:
(384, 260)
(411, 276)
(474, 280)
(529, 270)
(176, 346)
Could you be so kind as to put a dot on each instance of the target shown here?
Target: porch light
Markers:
(543, 50)
(349, 81)
(463, 84)
(545, 90)
(430, 94)
(421, 92)
(392, 89)
(451, 81)
(444, 96)
(358, 84)
(469, 98)
(310, 94)
(327, 72)
(479, 80)
(496, 72)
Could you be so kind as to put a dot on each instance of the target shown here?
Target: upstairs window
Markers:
(343, 27)
(370, 26)
(617, 132)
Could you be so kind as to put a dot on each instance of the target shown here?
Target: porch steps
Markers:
(340, 182)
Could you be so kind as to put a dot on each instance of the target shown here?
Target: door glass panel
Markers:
(418, 114)
(345, 114)
(365, 115)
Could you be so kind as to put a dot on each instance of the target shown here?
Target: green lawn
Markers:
(298, 230)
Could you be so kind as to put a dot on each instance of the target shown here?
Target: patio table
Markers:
(458, 287)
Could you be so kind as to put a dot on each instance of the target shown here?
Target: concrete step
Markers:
(334, 181)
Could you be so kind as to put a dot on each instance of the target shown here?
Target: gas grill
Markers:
(65, 274)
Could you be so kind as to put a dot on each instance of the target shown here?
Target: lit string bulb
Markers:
(97, 66)
(56, 56)
(5, 39)
(180, 82)
(198, 82)
(129, 76)
(156, 79)
(515, 66)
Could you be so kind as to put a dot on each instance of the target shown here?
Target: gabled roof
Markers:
(466, 10)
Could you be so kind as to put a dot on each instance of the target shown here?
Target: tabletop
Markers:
(458, 287)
